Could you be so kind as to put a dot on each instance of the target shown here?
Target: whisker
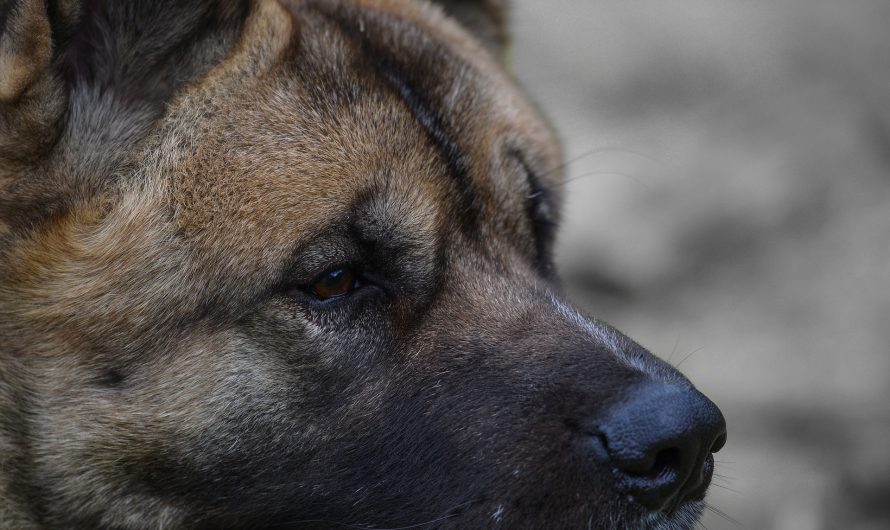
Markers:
(724, 515)
(633, 179)
(673, 350)
(727, 488)
(597, 151)
(683, 360)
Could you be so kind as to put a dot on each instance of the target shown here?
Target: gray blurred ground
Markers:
(732, 214)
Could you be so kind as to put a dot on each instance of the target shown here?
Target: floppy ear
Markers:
(31, 96)
(486, 19)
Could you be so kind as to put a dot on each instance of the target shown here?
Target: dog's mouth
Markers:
(681, 514)
(684, 516)
(678, 511)
(661, 488)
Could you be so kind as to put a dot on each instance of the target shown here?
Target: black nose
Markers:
(660, 443)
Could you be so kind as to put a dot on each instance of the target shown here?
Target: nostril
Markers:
(659, 444)
(667, 462)
(719, 442)
(662, 464)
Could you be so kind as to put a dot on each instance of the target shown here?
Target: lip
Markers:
(678, 515)
(684, 516)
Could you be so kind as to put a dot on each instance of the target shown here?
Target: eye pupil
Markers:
(338, 282)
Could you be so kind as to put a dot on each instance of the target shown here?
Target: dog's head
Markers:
(289, 264)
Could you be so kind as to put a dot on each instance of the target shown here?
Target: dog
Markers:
(288, 264)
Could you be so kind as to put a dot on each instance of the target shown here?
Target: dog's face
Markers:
(290, 265)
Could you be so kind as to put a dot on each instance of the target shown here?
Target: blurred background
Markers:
(728, 206)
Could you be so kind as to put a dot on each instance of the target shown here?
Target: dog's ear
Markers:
(486, 19)
(25, 46)
(32, 96)
(33, 100)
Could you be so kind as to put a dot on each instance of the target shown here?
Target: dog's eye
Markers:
(335, 283)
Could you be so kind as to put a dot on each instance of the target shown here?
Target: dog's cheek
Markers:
(159, 437)
(239, 414)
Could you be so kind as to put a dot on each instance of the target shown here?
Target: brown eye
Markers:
(338, 282)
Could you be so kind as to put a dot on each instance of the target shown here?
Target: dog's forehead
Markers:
(324, 103)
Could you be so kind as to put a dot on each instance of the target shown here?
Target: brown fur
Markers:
(162, 191)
